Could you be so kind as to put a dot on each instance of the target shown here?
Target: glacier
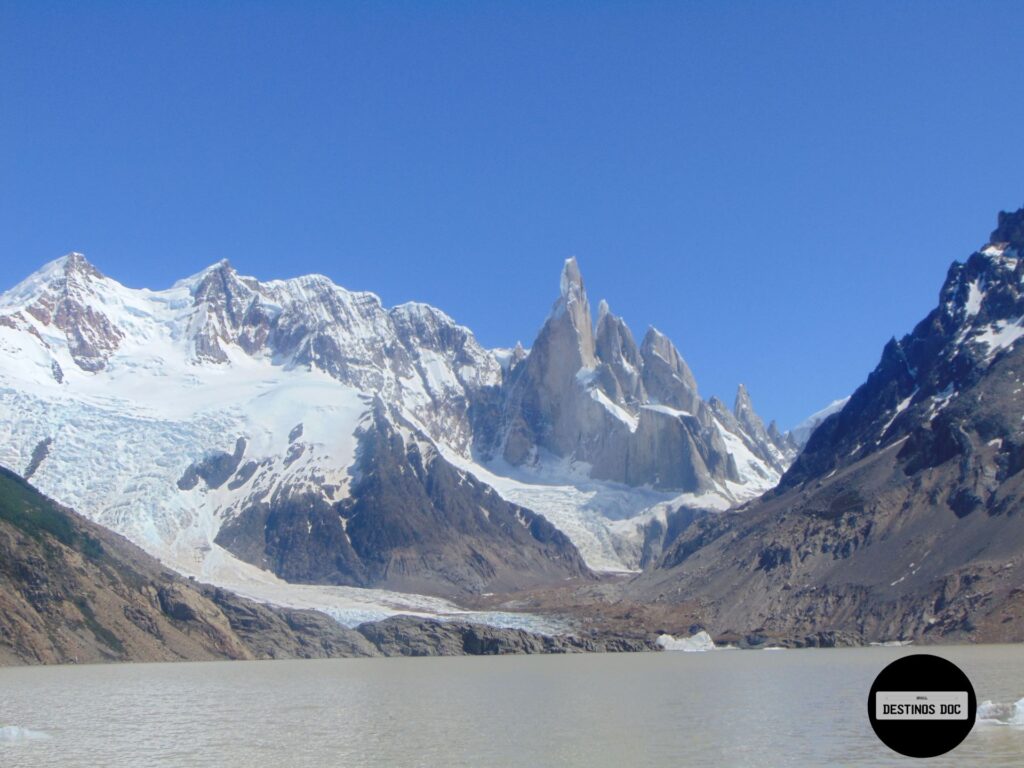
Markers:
(118, 391)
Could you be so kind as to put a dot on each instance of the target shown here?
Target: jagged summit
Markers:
(83, 322)
(632, 413)
(570, 325)
(78, 263)
(742, 397)
(901, 518)
(54, 275)
(571, 284)
(66, 297)
(1009, 229)
(230, 400)
(978, 322)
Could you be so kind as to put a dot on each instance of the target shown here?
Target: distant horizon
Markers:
(778, 189)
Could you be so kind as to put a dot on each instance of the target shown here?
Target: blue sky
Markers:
(780, 187)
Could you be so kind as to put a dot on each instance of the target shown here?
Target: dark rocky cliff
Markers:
(904, 516)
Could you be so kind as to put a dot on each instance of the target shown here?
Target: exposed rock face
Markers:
(282, 502)
(73, 592)
(66, 306)
(633, 414)
(411, 521)
(770, 444)
(275, 633)
(621, 374)
(902, 518)
(39, 454)
(226, 410)
(977, 321)
(412, 354)
(545, 409)
(666, 376)
(215, 469)
(410, 636)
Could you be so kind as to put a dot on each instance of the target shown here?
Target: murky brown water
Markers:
(743, 708)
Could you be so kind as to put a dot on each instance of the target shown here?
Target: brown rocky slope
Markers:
(74, 592)
(903, 518)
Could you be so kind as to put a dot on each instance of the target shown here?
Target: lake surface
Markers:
(721, 708)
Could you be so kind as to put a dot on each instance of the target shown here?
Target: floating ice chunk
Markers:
(701, 641)
(892, 643)
(15, 733)
(1001, 713)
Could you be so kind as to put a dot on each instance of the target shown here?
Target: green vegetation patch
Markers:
(29, 511)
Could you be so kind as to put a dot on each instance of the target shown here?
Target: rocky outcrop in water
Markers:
(412, 636)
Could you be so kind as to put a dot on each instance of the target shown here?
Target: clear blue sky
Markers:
(780, 187)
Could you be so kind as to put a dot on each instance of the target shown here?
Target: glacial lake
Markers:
(720, 708)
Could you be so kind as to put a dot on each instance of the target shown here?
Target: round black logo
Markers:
(922, 706)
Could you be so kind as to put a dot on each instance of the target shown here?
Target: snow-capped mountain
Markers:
(801, 433)
(980, 315)
(631, 413)
(901, 518)
(238, 428)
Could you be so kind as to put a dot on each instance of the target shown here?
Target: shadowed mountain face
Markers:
(74, 592)
(976, 323)
(312, 431)
(903, 518)
(411, 522)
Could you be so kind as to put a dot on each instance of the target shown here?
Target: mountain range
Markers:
(310, 432)
(299, 444)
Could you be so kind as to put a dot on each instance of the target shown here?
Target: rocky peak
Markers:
(723, 413)
(62, 295)
(666, 376)
(519, 353)
(545, 390)
(571, 283)
(75, 265)
(619, 356)
(978, 321)
(428, 334)
(573, 306)
(228, 312)
(743, 410)
(742, 402)
(221, 282)
(632, 413)
(70, 275)
(769, 442)
(1009, 229)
